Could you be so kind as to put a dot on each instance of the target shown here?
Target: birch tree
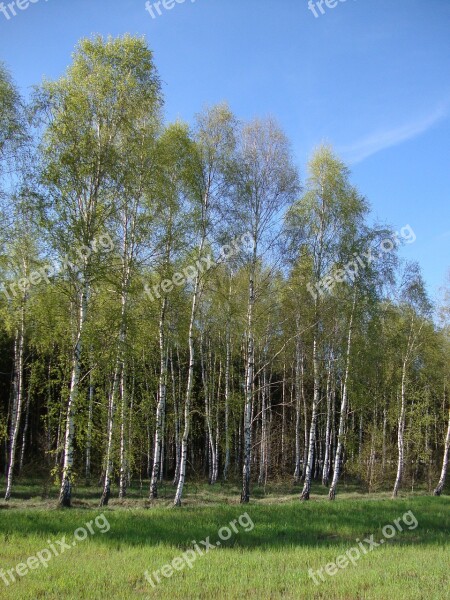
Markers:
(414, 307)
(322, 222)
(265, 183)
(215, 140)
(175, 149)
(86, 114)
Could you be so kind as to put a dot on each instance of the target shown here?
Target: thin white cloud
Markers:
(443, 236)
(360, 150)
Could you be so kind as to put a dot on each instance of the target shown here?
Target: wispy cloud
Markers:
(375, 142)
(443, 236)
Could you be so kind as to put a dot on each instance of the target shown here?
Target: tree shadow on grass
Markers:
(275, 526)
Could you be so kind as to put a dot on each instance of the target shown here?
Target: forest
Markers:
(181, 304)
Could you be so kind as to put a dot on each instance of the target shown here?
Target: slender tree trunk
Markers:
(89, 430)
(130, 429)
(298, 393)
(263, 444)
(118, 379)
(312, 432)
(227, 402)
(343, 414)
(17, 401)
(400, 434)
(161, 406)
(25, 430)
(217, 436)
(106, 494)
(163, 445)
(208, 389)
(441, 484)
(65, 494)
(402, 417)
(190, 383)
(176, 408)
(268, 431)
(383, 458)
(283, 418)
(123, 441)
(305, 420)
(326, 460)
(318, 455)
(249, 380)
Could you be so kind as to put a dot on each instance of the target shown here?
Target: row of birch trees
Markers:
(171, 309)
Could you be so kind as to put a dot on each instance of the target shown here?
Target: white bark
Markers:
(190, 382)
(227, 402)
(249, 380)
(441, 484)
(176, 409)
(312, 432)
(298, 393)
(402, 417)
(343, 413)
(161, 406)
(89, 429)
(263, 444)
(17, 401)
(123, 442)
(65, 494)
(326, 460)
(110, 428)
(25, 430)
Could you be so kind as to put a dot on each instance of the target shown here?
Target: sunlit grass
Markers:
(270, 561)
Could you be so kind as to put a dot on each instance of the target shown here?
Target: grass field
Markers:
(269, 560)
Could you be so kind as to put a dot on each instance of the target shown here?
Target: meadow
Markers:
(269, 560)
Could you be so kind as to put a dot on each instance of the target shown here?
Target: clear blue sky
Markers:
(369, 76)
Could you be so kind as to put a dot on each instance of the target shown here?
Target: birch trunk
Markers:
(227, 403)
(176, 409)
(305, 419)
(18, 400)
(106, 494)
(298, 392)
(326, 460)
(89, 430)
(123, 442)
(65, 494)
(440, 486)
(400, 435)
(190, 382)
(383, 451)
(402, 417)
(343, 413)
(217, 437)
(263, 452)
(25, 430)
(250, 368)
(283, 417)
(312, 432)
(118, 373)
(130, 427)
(161, 406)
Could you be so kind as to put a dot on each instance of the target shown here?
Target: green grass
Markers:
(270, 561)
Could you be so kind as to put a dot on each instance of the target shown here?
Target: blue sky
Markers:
(371, 77)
